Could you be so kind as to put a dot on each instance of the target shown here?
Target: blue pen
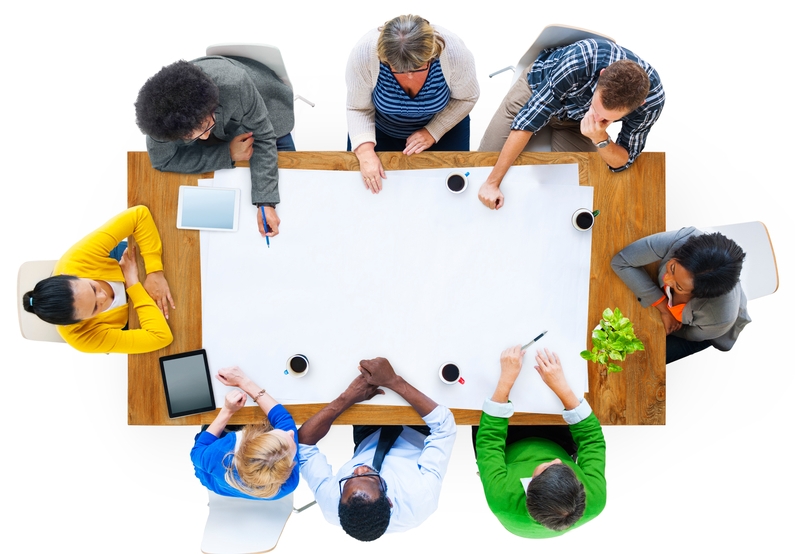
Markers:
(265, 226)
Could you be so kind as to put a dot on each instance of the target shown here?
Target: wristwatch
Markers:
(603, 143)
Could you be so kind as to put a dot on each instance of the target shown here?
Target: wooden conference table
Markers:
(632, 205)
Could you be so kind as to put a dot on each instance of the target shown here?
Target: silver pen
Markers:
(534, 340)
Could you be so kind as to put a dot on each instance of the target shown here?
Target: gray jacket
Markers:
(251, 99)
(718, 320)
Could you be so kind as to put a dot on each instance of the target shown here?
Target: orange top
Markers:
(676, 310)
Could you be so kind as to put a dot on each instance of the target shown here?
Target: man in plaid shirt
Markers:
(576, 91)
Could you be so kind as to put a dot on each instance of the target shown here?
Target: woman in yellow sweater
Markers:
(88, 293)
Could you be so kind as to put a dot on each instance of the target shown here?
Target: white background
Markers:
(717, 476)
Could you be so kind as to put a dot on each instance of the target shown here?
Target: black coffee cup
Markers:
(583, 219)
(457, 182)
(450, 374)
(298, 365)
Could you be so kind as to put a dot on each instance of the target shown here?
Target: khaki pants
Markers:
(564, 136)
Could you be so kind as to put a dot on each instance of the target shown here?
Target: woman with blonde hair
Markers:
(411, 86)
(259, 462)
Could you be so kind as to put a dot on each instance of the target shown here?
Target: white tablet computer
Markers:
(208, 208)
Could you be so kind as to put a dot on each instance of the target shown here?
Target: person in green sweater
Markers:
(533, 484)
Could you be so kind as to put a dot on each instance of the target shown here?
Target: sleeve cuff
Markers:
(205, 438)
(137, 293)
(306, 451)
(660, 301)
(498, 409)
(572, 417)
(438, 416)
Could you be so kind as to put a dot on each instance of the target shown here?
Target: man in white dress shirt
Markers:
(393, 481)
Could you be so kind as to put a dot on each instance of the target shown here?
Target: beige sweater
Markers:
(458, 67)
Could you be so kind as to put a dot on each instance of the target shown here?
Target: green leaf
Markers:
(588, 355)
(607, 314)
(599, 334)
(602, 358)
(613, 368)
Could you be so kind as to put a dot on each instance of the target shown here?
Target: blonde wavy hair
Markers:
(408, 42)
(263, 462)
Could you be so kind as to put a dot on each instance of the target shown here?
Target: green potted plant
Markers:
(612, 339)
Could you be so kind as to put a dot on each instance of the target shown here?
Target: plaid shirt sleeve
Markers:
(635, 128)
(538, 110)
(569, 73)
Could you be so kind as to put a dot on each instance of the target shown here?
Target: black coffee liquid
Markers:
(584, 220)
(450, 372)
(455, 183)
(298, 364)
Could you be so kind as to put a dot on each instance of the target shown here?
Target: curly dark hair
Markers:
(623, 85)
(175, 101)
(714, 260)
(365, 519)
(556, 498)
(53, 300)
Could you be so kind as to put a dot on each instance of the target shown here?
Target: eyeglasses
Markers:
(207, 130)
(374, 473)
(412, 71)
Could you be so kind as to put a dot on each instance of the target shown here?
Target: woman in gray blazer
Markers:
(698, 292)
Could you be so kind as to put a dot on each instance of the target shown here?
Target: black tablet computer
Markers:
(186, 380)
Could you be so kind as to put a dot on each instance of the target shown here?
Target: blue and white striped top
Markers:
(396, 113)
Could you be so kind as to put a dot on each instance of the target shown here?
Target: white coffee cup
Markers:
(457, 182)
(583, 219)
(450, 373)
(297, 365)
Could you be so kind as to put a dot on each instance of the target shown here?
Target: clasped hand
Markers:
(241, 147)
(378, 372)
(157, 287)
(235, 399)
(360, 390)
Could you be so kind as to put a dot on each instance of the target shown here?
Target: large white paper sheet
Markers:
(415, 274)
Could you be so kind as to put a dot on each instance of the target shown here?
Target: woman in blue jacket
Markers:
(259, 462)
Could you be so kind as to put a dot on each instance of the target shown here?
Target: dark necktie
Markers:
(389, 434)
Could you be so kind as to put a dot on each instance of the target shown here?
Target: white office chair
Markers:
(30, 325)
(759, 276)
(265, 54)
(551, 36)
(243, 526)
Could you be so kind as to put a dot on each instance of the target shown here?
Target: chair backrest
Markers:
(263, 53)
(30, 325)
(243, 526)
(760, 273)
(550, 37)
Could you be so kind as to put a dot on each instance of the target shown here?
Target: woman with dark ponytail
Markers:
(87, 296)
(54, 299)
